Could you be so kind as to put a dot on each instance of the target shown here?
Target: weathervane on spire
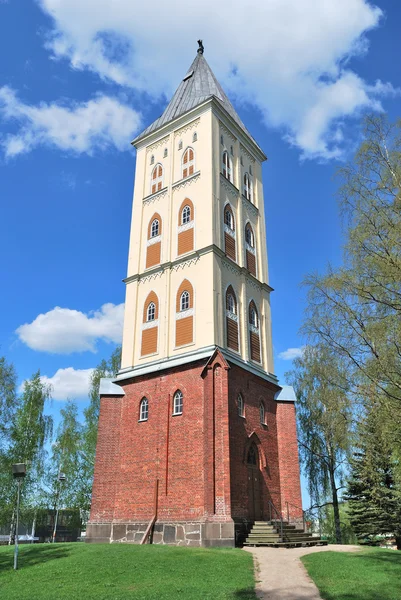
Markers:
(201, 48)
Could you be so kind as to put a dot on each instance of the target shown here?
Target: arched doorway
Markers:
(254, 501)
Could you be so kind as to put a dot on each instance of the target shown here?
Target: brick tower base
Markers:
(206, 474)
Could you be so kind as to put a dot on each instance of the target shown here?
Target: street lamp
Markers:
(19, 472)
(61, 479)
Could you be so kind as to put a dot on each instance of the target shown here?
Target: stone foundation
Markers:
(206, 534)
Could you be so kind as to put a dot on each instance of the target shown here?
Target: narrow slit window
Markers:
(226, 166)
(155, 228)
(262, 414)
(178, 403)
(144, 410)
(240, 405)
(184, 301)
(186, 215)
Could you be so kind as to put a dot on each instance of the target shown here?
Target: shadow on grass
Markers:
(245, 594)
(31, 555)
(391, 557)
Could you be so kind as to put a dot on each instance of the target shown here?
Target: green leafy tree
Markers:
(324, 424)
(30, 430)
(356, 309)
(373, 491)
(8, 408)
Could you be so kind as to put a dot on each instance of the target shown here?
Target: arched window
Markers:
(151, 312)
(154, 228)
(152, 159)
(262, 414)
(254, 339)
(247, 187)
(195, 137)
(226, 167)
(252, 457)
(144, 409)
(150, 325)
(186, 215)
(184, 317)
(180, 145)
(232, 150)
(253, 317)
(188, 163)
(165, 153)
(232, 320)
(157, 178)
(249, 237)
(222, 140)
(231, 304)
(250, 249)
(178, 403)
(240, 405)
(184, 301)
(229, 218)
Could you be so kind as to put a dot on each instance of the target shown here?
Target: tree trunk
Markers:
(337, 524)
(12, 529)
(398, 541)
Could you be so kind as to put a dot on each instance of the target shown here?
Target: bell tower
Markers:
(196, 437)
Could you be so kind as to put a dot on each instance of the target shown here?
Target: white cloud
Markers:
(98, 124)
(68, 384)
(291, 353)
(63, 331)
(288, 57)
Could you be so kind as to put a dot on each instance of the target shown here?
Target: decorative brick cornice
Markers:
(185, 264)
(244, 151)
(182, 183)
(249, 206)
(227, 132)
(230, 187)
(156, 196)
(187, 127)
(157, 144)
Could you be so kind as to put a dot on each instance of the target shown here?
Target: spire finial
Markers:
(201, 48)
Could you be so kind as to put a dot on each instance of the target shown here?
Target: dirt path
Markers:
(280, 575)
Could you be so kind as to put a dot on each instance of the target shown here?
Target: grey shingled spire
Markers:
(198, 85)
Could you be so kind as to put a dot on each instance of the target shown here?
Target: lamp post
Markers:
(19, 472)
(61, 479)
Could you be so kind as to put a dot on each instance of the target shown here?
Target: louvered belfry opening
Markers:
(150, 325)
(254, 335)
(153, 249)
(184, 324)
(250, 249)
(232, 320)
(185, 227)
(229, 233)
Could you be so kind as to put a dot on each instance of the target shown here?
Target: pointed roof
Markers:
(198, 85)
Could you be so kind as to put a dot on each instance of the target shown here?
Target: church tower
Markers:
(196, 438)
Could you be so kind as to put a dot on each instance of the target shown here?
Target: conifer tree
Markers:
(373, 491)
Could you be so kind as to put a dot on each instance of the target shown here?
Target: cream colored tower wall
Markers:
(208, 271)
(164, 279)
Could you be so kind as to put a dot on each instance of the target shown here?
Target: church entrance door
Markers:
(254, 501)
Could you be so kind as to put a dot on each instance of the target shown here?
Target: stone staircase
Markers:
(268, 533)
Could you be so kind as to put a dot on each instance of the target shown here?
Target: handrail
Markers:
(295, 506)
(271, 506)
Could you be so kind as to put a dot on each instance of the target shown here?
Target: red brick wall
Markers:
(203, 474)
(288, 460)
(244, 430)
(125, 477)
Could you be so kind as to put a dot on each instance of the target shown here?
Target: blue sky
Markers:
(79, 79)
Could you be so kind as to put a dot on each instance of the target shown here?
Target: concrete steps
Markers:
(265, 533)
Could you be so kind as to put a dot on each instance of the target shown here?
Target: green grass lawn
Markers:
(123, 571)
(371, 574)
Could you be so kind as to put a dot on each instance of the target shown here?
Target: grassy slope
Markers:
(122, 571)
(371, 574)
